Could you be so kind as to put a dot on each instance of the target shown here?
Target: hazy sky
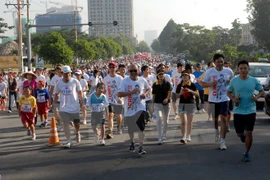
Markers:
(154, 14)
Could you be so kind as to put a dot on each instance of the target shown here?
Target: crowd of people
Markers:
(136, 92)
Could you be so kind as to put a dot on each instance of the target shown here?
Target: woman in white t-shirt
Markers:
(85, 89)
(94, 80)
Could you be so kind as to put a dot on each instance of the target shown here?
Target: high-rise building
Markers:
(107, 11)
(247, 37)
(23, 21)
(58, 16)
(150, 36)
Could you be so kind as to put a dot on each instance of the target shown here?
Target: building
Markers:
(23, 21)
(107, 11)
(150, 36)
(247, 37)
(58, 16)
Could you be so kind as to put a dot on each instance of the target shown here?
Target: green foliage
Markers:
(259, 19)
(235, 34)
(83, 50)
(230, 53)
(55, 50)
(3, 27)
(156, 45)
(143, 47)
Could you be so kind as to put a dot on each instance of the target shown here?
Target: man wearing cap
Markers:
(176, 79)
(70, 103)
(112, 84)
(56, 104)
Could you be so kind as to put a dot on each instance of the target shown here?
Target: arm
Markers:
(260, 94)
(80, 93)
(124, 94)
(231, 96)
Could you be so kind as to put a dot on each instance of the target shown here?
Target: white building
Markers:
(150, 36)
(247, 37)
(107, 11)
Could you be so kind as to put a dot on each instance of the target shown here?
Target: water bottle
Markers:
(154, 118)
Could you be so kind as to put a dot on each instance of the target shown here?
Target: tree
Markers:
(259, 18)
(156, 45)
(83, 50)
(4, 27)
(165, 37)
(230, 53)
(143, 47)
(55, 50)
(235, 34)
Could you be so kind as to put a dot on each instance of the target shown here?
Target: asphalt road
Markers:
(21, 158)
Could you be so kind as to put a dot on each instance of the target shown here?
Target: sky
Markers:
(154, 14)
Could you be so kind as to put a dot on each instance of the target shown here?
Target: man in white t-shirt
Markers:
(40, 77)
(176, 79)
(148, 100)
(56, 104)
(70, 103)
(112, 84)
(217, 80)
(134, 90)
(85, 76)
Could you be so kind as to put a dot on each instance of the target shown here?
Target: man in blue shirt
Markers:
(240, 91)
(197, 75)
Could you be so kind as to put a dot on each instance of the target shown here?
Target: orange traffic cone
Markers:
(53, 139)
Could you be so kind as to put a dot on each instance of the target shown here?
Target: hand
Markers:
(165, 101)
(120, 101)
(134, 91)
(254, 98)
(214, 83)
(142, 96)
(236, 100)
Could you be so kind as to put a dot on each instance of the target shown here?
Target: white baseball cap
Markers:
(66, 69)
(78, 72)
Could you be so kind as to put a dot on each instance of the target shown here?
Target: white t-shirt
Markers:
(112, 85)
(41, 77)
(219, 92)
(20, 86)
(3, 87)
(86, 77)
(83, 83)
(134, 103)
(150, 80)
(69, 92)
(95, 80)
(176, 77)
(54, 82)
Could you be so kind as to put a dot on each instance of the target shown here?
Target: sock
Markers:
(222, 140)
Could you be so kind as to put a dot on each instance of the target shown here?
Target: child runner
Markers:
(43, 96)
(99, 104)
(3, 94)
(27, 111)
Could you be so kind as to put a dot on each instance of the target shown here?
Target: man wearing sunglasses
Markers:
(112, 83)
(134, 90)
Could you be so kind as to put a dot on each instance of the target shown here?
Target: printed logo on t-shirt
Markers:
(134, 99)
(26, 107)
(66, 90)
(112, 91)
(220, 88)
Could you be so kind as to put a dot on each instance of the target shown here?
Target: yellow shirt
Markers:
(206, 90)
(27, 104)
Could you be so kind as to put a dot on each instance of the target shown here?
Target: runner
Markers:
(3, 94)
(85, 89)
(134, 91)
(241, 91)
(217, 79)
(99, 104)
(186, 91)
(27, 111)
(42, 96)
(162, 92)
(112, 83)
(176, 79)
(70, 102)
(197, 73)
(12, 90)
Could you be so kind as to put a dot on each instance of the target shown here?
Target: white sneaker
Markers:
(188, 138)
(78, 138)
(71, 123)
(175, 117)
(68, 144)
(210, 119)
(223, 146)
(102, 142)
(84, 122)
(9, 111)
(160, 141)
(197, 111)
(60, 128)
(164, 137)
(203, 111)
(34, 137)
(97, 138)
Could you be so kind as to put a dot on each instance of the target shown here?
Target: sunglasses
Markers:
(133, 71)
(111, 67)
(166, 66)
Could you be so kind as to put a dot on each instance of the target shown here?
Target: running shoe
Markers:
(176, 117)
(41, 125)
(223, 146)
(34, 137)
(132, 147)
(28, 132)
(97, 138)
(246, 157)
(78, 137)
(84, 122)
(60, 128)
(210, 119)
(188, 138)
(119, 130)
(164, 137)
(203, 111)
(102, 142)
(183, 140)
(45, 123)
(160, 142)
(68, 144)
(110, 135)
(243, 137)
(71, 123)
(141, 151)
(9, 111)
(229, 128)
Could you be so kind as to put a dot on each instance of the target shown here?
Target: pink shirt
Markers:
(33, 84)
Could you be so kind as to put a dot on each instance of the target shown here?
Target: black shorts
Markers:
(117, 109)
(221, 108)
(244, 122)
(205, 97)
(135, 123)
(230, 105)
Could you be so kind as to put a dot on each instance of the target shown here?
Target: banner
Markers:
(9, 62)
